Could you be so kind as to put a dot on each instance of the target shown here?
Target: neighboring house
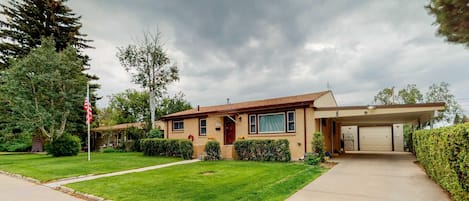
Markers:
(115, 135)
(295, 118)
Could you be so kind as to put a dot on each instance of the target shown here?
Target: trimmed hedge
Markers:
(167, 147)
(263, 150)
(213, 150)
(444, 153)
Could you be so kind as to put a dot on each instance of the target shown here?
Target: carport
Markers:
(372, 127)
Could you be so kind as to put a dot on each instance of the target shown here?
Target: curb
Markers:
(29, 179)
(78, 194)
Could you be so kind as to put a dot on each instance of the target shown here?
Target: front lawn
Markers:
(46, 168)
(218, 180)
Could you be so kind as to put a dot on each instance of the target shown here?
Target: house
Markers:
(116, 135)
(296, 118)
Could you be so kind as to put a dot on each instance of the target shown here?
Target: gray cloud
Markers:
(257, 49)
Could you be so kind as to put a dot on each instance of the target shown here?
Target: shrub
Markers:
(444, 154)
(318, 144)
(15, 142)
(167, 147)
(213, 150)
(156, 133)
(112, 150)
(65, 145)
(263, 150)
(186, 149)
(312, 159)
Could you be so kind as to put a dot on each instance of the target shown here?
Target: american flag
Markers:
(88, 110)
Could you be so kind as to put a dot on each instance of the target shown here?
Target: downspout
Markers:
(304, 121)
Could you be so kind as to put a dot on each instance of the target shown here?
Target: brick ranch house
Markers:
(296, 118)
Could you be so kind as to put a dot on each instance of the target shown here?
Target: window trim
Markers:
(250, 124)
(288, 121)
(269, 114)
(200, 127)
(178, 121)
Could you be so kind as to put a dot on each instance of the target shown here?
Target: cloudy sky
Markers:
(247, 50)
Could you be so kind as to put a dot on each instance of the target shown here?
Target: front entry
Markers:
(230, 130)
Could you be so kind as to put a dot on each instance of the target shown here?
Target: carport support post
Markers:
(320, 125)
(332, 137)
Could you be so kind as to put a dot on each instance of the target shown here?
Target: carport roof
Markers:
(381, 114)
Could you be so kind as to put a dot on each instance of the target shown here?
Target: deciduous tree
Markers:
(441, 93)
(150, 67)
(43, 89)
(410, 95)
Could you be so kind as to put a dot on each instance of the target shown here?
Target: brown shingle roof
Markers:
(250, 105)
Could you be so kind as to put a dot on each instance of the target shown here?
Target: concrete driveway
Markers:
(373, 176)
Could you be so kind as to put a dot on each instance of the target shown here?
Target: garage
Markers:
(375, 138)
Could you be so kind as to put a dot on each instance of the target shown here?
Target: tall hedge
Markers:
(263, 150)
(444, 153)
(167, 147)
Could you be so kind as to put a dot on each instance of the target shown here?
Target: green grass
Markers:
(218, 180)
(47, 168)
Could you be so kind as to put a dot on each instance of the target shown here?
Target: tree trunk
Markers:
(152, 109)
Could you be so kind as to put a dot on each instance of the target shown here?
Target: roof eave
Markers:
(242, 110)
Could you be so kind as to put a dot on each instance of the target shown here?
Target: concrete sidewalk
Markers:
(86, 178)
(14, 189)
(366, 177)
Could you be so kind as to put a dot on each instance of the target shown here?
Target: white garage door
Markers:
(376, 138)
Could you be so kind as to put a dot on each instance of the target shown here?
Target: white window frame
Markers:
(252, 123)
(178, 121)
(271, 132)
(200, 127)
(288, 121)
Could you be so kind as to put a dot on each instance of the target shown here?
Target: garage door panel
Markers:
(376, 138)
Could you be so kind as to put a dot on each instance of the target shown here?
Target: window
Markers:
(291, 121)
(252, 123)
(271, 123)
(203, 127)
(178, 125)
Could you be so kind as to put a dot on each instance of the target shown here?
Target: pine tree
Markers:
(27, 21)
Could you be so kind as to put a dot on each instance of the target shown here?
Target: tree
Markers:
(132, 106)
(27, 21)
(129, 106)
(410, 95)
(43, 89)
(174, 104)
(436, 93)
(451, 17)
(23, 25)
(150, 67)
(385, 96)
(440, 93)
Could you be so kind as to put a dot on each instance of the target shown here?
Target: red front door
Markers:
(230, 130)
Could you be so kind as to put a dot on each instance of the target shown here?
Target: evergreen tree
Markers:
(27, 21)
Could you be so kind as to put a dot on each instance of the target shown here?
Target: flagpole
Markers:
(88, 122)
